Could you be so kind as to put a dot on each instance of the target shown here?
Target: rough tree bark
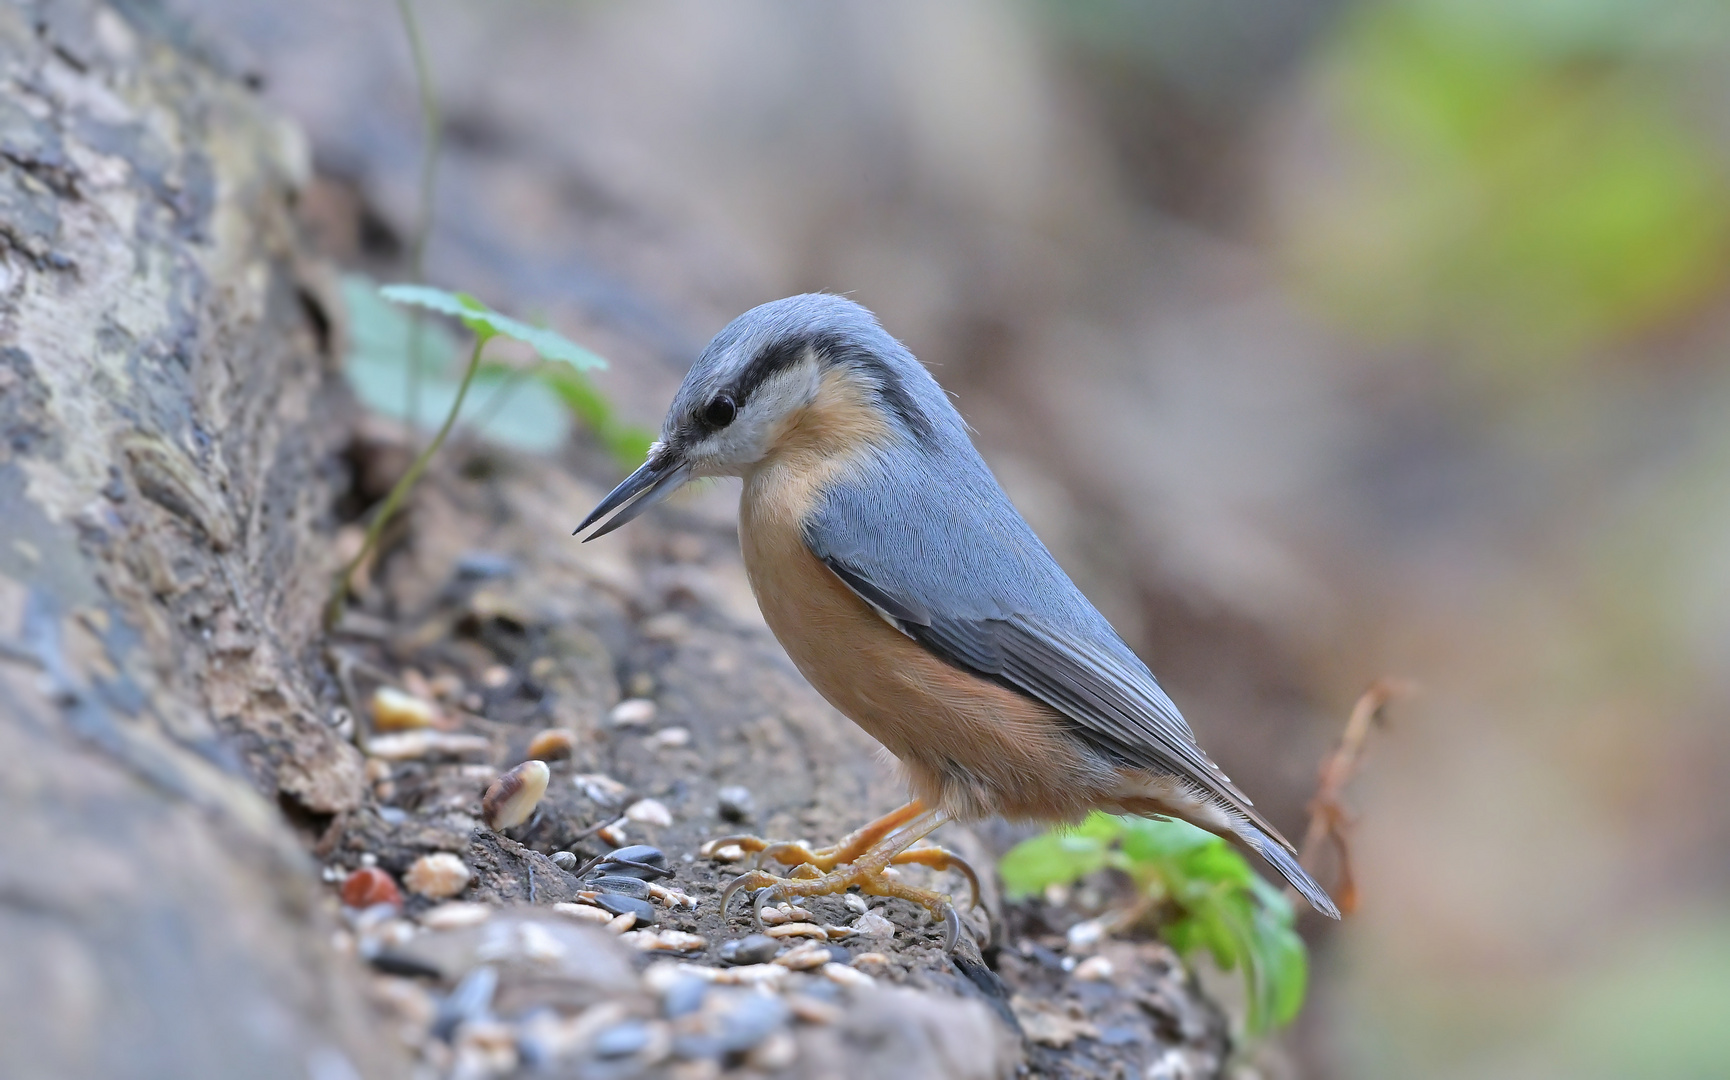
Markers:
(166, 429)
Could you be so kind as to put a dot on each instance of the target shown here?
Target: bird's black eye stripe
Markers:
(719, 412)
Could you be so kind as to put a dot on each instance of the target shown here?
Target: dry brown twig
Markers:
(1329, 820)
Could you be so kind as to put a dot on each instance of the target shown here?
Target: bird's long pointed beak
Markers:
(660, 476)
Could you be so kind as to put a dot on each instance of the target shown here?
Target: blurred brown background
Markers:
(1321, 340)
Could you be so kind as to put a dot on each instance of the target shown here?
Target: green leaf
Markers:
(628, 443)
(486, 323)
(1053, 858)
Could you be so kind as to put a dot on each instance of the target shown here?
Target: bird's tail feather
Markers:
(1286, 863)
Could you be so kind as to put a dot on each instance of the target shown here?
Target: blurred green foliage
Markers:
(526, 408)
(1531, 179)
(1203, 893)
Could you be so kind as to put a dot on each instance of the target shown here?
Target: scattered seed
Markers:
(804, 957)
(753, 949)
(632, 713)
(377, 769)
(836, 933)
(726, 853)
(735, 803)
(650, 812)
(777, 1051)
(636, 860)
(513, 797)
(395, 710)
(471, 998)
(813, 1010)
(670, 941)
(600, 788)
(873, 925)
(618, 885)
(1094, 969)
(618, 924)
(552, 744)
(855, 903)
(798, 929)
(672, 898)
(620, 905)
(669, 626)
(408, 745)
(871, 959)
(455, 915)
(614, 834)
(751, 1020)
(369, 886)
(1083, 934)
(447, 686)
(785, 913)
(566, 861)
(496, 677)
(583, 913)
(438, 875)
(846, 976)
(668, 739)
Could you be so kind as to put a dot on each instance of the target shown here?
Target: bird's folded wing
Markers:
(951, 598)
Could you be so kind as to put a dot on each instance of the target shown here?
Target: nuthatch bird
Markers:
(908, 590)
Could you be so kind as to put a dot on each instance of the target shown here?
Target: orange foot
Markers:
(858, 862)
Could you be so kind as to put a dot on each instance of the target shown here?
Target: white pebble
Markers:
(1094, 969)
(455, 915)
(650, 812)
(855, 903)
(668, 738)
(438, 875)
(632, 713)
(1083, 934)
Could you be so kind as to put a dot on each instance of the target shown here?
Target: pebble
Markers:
(855, 903)
(468, 1000)
(369, 886)
(622, 1041)
(600, 788)
(513, 797)
(871, 959)
(447, 686)
(727, 853)
(650, 812)
(1094, 969)
(437, 876)
(618, 885)
(614, 835)
(806, 956)
(455, 915)
(734, 803)
(408, 745)
(682, 996)
(583, 913)
(632, 713)
(873, 925)
(552, 744)
(496, 677)
(846, 976)
(566, 861)
(669, 626)
(754, 949)
(668, 739)
(396, 710)
(627, 905)
(751, 1020)
(1083, 934)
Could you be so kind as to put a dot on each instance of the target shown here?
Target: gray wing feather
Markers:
(951, 562)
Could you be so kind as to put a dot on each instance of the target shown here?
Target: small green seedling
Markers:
(1202, 893)
(485, 324)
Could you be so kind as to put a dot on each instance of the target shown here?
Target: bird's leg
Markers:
(825, 859)
(868, 854)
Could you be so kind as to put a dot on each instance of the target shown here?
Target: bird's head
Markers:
(815, 371)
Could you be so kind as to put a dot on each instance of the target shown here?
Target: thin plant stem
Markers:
(432, 125)
(387, 510)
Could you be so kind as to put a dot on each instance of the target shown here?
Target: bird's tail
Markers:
(1289, 868)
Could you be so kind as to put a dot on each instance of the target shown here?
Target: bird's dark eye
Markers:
(719, 413)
